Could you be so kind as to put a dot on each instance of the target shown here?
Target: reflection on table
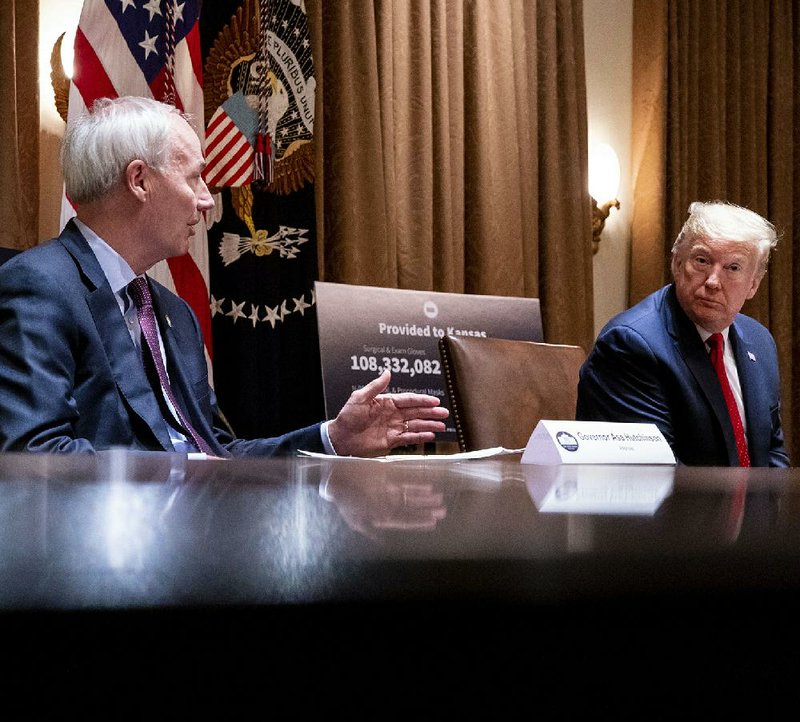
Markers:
(148, 530)
(577, 489)
(414, 572)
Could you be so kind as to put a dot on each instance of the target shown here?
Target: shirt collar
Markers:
(705, 335)
(116, 269)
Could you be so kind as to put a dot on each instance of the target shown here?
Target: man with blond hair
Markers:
(687, 360)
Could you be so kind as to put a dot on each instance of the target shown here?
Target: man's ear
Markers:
(756, 283)
(675, 264)
(137, 180)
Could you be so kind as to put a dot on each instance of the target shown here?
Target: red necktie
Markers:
(151, 353)
(715, 341)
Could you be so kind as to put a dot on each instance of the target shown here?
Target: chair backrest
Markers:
(6, 253)
(500, 389)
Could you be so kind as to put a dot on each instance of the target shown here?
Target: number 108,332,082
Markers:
(397, 365)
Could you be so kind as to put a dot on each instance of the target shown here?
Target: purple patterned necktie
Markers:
(151, 354)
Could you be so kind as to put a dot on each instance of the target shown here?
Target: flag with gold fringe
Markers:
(259, 111)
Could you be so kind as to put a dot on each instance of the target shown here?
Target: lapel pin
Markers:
(750, 354)
(169, 323)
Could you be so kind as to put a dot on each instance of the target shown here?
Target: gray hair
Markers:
(728, 222)
(100, 145)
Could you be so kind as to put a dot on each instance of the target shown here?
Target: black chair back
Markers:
(6, 253)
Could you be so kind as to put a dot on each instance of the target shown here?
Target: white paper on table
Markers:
(461, 456)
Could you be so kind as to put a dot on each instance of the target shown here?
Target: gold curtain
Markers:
(19, 131)
(451, 150)
(716, 116)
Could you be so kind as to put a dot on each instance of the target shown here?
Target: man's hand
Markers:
(373, 502)
(372, 423)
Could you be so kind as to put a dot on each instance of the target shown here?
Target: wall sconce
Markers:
(603, 184)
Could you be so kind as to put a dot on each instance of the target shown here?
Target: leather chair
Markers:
(500, 389)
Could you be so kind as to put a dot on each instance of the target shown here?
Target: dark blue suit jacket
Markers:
(649, 365)
(71, 378)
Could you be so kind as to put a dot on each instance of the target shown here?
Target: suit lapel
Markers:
(691, 347)
(171, 335)
(172, 341)
(123, 356)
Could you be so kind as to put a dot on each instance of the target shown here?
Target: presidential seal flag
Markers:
(148, 48)
(259, 111)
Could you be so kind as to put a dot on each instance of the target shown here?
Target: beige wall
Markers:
(608, 40)
(55, 17)
(608, 78)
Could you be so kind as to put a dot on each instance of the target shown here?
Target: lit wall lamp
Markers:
(603, 184)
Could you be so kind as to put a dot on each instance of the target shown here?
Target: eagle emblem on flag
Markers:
(258, 78)
(240, 83)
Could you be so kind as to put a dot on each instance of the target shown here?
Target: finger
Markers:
(438, 413)
(425, 521)
(406, 400)
(411, 439)
(421, 496)
(369, 391)
(418, 425)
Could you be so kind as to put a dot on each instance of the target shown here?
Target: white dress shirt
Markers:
(730, 368)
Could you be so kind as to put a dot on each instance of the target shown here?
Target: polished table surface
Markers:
(128, 530)
(454, 557)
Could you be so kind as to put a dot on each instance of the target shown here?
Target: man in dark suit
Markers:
(651, 363)
(72, 340)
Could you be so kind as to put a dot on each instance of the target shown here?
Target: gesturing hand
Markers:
(372, 423)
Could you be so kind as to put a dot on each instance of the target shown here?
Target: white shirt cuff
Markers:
(326, 439)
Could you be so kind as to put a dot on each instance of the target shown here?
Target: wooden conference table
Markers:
(421, 571)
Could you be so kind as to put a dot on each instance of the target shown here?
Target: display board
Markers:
(365, 329)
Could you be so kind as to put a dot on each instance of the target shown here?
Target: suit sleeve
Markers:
(38, 348)
(778, 455)
(308, 438)
(621, 382)
(777, 452)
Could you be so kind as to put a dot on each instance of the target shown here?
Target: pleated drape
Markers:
(452, 150)
(19, 131)
(716, 115)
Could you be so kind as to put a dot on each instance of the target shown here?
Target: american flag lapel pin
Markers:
(751, 356)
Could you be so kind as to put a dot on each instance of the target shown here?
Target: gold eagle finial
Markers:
(59, 79)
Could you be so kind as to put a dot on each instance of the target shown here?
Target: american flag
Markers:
(147, 48)
(229, 143)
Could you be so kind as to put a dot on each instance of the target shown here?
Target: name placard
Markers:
(596, 442)
(595, 489)
(365, 329)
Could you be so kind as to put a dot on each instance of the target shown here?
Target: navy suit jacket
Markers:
(649, 365)
(71, 378)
